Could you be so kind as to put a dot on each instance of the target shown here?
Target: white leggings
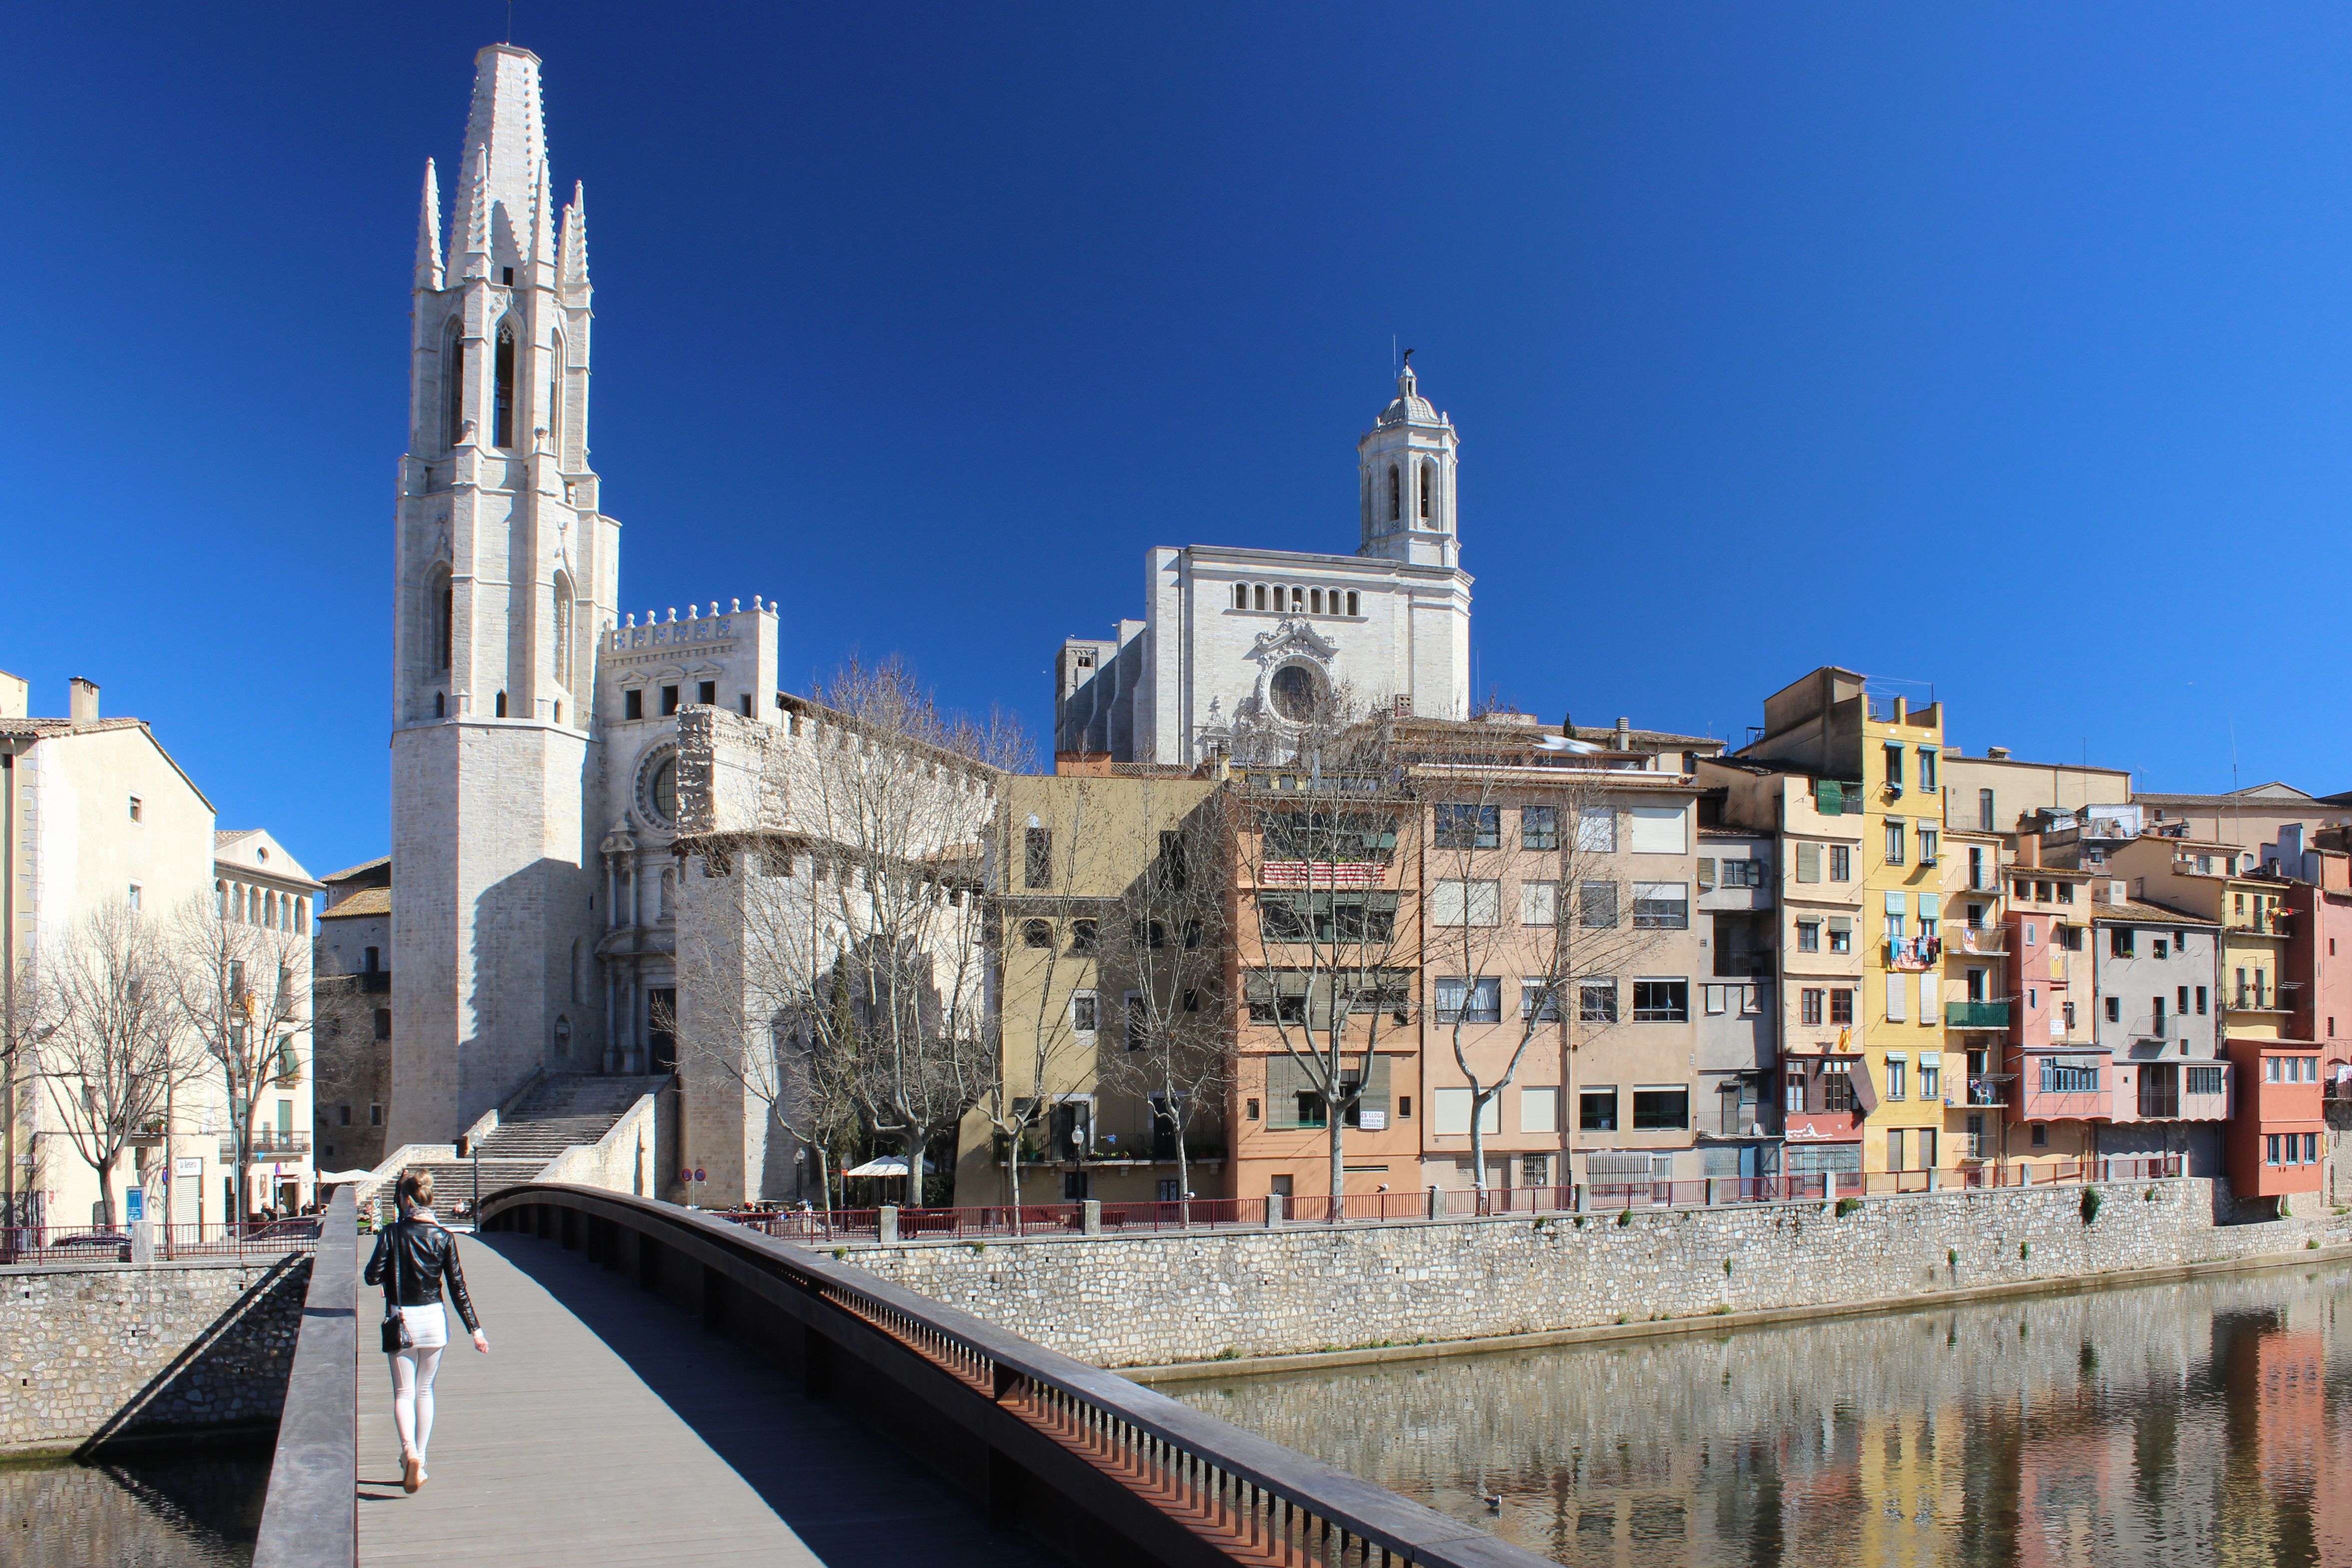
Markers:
(412, 1394)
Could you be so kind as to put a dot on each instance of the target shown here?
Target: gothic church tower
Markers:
(507, 573)
(1406, 464)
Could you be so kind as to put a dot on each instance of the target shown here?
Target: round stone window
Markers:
(1292, 692)
(657, 788)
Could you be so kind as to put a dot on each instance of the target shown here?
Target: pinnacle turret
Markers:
(428, 233)
(542, 221)
(476, 238)
(573, 277)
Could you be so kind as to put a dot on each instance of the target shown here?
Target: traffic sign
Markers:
(698, 1176)
(687, 1174)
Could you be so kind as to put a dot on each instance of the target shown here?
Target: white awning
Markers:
(888, 1165)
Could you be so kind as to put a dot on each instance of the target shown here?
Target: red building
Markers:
(2279, 1137)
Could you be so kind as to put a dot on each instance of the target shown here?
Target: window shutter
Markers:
(1809, 862)
(1707, 871)
(1828, 797)
(1927, 989)
(1376, 1086)
(1898, 991)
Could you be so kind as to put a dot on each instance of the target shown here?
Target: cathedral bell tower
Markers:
(507, 573)
(1405, 470)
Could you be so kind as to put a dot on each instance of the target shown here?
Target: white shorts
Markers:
(428, 1327)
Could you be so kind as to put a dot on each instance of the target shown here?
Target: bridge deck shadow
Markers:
(607, 1427)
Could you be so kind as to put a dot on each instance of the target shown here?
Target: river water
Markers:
(195, 1509)
(2203, 1422)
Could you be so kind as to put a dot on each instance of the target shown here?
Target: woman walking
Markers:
(413, 1257)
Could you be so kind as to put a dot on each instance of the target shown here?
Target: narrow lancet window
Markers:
(1426, 470)
(453, 383)
(502, 427)
(1396, 500)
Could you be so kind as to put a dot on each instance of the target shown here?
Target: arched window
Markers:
(440, 705)
(1261, 595)
(1426, 470)
(502, 704)
(453, 383)
(562, 630)
(1241, 595)
(1351, 602)
(438, 602)
(1037, 933)
(1396, 495)
(502, 367)
(1315, 600)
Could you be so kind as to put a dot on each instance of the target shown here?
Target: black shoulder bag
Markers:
(395, 1327)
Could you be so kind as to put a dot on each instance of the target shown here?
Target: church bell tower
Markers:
(1405, 471)
(506, 574)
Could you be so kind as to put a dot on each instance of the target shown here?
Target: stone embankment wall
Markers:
(108, 1350)
(1177, 1296)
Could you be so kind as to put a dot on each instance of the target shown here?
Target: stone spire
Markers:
(428, 232)
(508, 123)
(572, 278)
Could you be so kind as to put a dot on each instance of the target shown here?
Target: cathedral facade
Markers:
(1235, 640)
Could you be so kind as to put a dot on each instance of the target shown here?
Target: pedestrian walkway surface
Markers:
(606, 1427)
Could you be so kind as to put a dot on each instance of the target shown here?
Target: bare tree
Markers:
(243, 992)
(1165, 940)
(1326, 820)
(863, 948)
(118, 1044)
(1528, 902)
(31, 1017)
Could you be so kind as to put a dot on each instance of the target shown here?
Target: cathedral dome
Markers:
(1410, 406)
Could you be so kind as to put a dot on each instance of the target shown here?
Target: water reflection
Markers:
(197, 1509)
(2206, 1422)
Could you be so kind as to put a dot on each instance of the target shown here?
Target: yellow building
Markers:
(1903, 889)
(1108, 893)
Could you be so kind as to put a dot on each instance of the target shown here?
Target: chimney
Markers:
(15, 695)
(1997, 753)
(2028, 848)
(1624, 741)
(83, 704)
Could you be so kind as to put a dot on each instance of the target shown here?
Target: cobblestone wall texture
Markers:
(117, 1350)
(1150, 1301)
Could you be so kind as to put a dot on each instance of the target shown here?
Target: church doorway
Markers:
(661, 1028)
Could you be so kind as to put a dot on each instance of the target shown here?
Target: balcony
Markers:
(2074, 1087)
(1976, 1015)
(1989, 942)
(1915, 952)
(1972, 1145)
(1988, 1088)
(268, 1143)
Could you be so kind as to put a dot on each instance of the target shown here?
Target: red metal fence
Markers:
(822, 1225)
(59, 1243)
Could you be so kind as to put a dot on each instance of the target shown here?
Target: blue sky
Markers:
(2002, 348)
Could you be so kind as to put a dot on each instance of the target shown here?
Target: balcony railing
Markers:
(1989, 941)
(1987, 1091)
(1914, 952)
(1976, 1015)
(269, 1144)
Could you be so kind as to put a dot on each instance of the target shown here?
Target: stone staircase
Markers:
(561, 1111)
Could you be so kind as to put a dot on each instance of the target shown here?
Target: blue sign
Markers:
(134, 1205)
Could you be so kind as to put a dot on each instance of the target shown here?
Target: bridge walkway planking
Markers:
(606, 1427)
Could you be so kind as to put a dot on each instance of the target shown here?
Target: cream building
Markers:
(97, 813)
(256, 883)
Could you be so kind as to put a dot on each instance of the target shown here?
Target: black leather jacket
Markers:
(427, 1254)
